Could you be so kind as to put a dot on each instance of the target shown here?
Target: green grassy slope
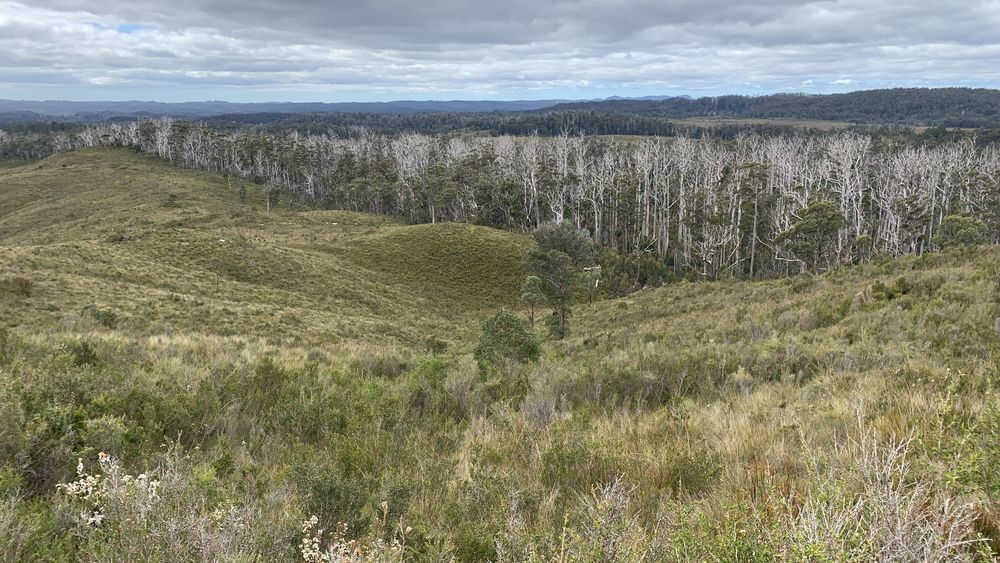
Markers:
(97, 227)
(271, 366)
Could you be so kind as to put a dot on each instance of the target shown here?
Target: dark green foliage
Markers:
(562, 251)
(622, 274)
(105, 316)
(334, 494)
(505, 344)
(473, 545)
(952, 107)
(883, 292)
(422, 392)
(959, 231)
(863, 248)
(809, 239)
(83, 353)
(532, 296)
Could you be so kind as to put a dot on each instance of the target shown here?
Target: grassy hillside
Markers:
(266, 367)
(175, 250)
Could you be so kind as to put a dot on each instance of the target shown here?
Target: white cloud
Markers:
(383, 49)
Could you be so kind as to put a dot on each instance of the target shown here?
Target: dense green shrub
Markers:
(506, 343)
(335, 494)
(82, 353)
(105, 316)
(883, 292)
(959, 231)
(622, 274)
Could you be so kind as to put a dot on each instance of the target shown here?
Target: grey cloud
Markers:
(506, 49)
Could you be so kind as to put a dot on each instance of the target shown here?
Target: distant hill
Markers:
(649, 115)
(27, 110)
(952, 107)
(20, 111)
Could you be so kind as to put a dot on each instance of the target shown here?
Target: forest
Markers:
(950, 107)
(704, 208)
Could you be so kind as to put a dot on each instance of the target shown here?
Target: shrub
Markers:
(386, 365)
(435, 345)
(802, 283)
(609, 531)
(622, 274)
(106, 433)
(17, 286)
(883, 292)
(82, 353)
(314, 549)
(162, 516)
(333, 495)
(958, 231)
(505, 344)
(104, 316)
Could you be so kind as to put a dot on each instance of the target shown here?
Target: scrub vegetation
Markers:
(186, 376)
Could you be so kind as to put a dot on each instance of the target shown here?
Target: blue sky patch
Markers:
(130, 28)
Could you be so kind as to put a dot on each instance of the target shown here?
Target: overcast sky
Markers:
(335, 50)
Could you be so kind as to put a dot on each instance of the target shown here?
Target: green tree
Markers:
(506, 343)
(813, 235)
(959, 231)
(561, 252)
(532, 296)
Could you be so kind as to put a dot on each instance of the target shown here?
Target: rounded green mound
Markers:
(466, 265)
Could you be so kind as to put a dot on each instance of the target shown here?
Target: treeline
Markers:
(495, 123)
(705, 207)
(551, 123)
(949, 107)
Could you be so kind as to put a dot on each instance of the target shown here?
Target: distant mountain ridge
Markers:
(953, 107)
(949, 107)
(25, 111)
(99, 110)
